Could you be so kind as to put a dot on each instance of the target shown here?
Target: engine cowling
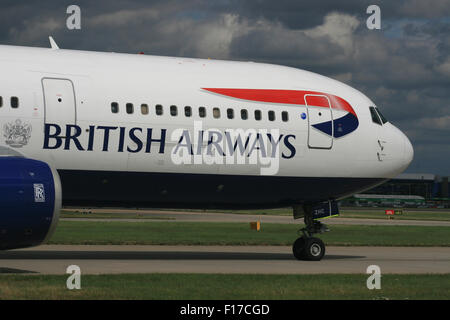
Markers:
(30, 202)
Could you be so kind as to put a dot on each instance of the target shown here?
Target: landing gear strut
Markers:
(308, 247)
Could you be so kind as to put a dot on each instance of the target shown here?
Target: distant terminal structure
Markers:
(385, 200)
(406, 190)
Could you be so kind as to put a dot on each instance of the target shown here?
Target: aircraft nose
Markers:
(408, 150)
(400, 150)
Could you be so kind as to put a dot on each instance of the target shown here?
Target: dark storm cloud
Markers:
(307, 14)
(428, 28)
(404, 68)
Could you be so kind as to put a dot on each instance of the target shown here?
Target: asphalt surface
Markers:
(162, 215)
(54, 259)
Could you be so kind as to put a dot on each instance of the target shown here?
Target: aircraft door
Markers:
(60, 102)
(320, 122)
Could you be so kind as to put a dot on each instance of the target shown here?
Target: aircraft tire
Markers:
(298, 248)
(314, 249)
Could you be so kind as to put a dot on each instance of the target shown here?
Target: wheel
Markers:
(298, 248)
(314, 249)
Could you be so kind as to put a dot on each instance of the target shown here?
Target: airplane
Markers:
(96, 129)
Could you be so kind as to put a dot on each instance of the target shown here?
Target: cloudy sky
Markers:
(404, 67)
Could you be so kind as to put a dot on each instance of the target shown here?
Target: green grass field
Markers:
(223, 286)
(213, 233)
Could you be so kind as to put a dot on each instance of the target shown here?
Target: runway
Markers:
(54, 259)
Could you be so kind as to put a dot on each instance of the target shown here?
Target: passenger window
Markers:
(129, 107)
(244, 114)
(173, 111)
(202, 112)
(284, 116)
(375, 117)
(159, 110)
(144, 108)
(14, 102)
(114, 107)
(271, 115)
(258, 115)
(187, 111)
(230, 113)
(216, 113)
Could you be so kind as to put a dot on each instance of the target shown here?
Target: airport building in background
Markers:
(406, 190)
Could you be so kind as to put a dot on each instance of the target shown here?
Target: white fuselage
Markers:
(74, 91)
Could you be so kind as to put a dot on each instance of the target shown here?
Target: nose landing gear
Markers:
(308, 247)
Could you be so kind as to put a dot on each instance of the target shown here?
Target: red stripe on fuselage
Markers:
(318, 101)
(283, 97)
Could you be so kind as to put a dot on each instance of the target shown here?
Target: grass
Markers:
(224, 286)
(360, 213)
(215, 233)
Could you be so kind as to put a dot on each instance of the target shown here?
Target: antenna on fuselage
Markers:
(53, 43)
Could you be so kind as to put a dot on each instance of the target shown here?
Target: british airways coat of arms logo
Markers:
(17, 134)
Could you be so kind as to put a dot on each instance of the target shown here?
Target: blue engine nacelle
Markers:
(30, 201)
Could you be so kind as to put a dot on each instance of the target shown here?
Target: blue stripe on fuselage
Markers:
(342, 126)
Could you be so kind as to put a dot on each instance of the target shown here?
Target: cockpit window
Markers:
(374, 115)
(383, 119)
